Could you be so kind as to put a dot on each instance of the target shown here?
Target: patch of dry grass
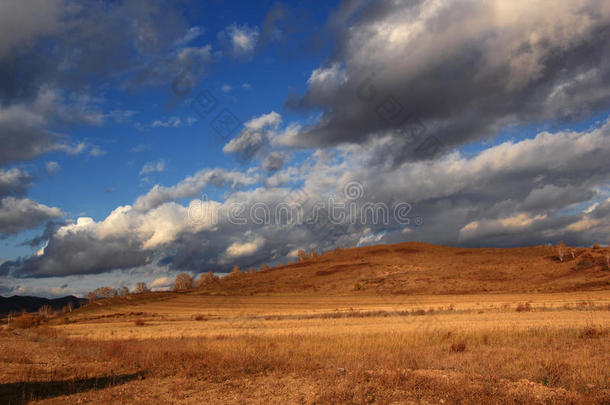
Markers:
(479, 366)
(340, 349)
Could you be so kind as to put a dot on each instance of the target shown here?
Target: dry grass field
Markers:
(428, 325)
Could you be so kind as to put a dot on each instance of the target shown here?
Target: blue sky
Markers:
(493, 130)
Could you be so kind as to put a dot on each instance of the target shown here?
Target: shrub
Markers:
(591, 332)
(524, 307)
(139, 322)
(25, 321)
(596, 246)
(583, 264)
(458, 347)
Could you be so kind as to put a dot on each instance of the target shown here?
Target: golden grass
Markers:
(563, 364)
(308, 349)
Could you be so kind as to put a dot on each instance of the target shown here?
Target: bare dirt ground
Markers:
(245, 340)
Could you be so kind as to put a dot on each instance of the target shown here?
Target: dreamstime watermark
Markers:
(297, 208)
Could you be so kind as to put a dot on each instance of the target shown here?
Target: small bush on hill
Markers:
(25, 321)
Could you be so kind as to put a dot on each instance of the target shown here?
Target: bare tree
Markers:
(45, 311)
(235, 271)
(101, 293)
(11, 314)
(264, 267)
(302, 255)
(560, 248)
(123, 291)
(140, 288)
(91, 297)
(206, 279)
(184, 281)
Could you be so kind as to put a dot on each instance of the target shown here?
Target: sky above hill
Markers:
(140, 139)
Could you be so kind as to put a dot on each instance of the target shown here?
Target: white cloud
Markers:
(480, 229)
(256, 135)
(171, 122)
(370, 238)
(191, 187)
(162, 284)
(241, 39)
(153, 167)
(191, 34)
(97, 151)
(239, 249)
(52, 167)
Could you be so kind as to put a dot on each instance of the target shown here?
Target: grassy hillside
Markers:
(419, 268)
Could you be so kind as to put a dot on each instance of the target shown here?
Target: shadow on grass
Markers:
(24, 392)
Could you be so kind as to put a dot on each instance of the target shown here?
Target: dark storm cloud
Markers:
(63, 47)
(14, 182)
(49, 230)
(87, 39)
(462, 70)
(80, 253)
(17, 215)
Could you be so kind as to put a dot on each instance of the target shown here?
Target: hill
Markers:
(420, 268)
(31, 304)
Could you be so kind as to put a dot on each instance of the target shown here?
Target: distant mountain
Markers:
(31, 304)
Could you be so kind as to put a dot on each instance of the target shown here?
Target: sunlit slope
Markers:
(419, 268)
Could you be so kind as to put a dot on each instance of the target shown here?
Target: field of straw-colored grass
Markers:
(537, 348)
